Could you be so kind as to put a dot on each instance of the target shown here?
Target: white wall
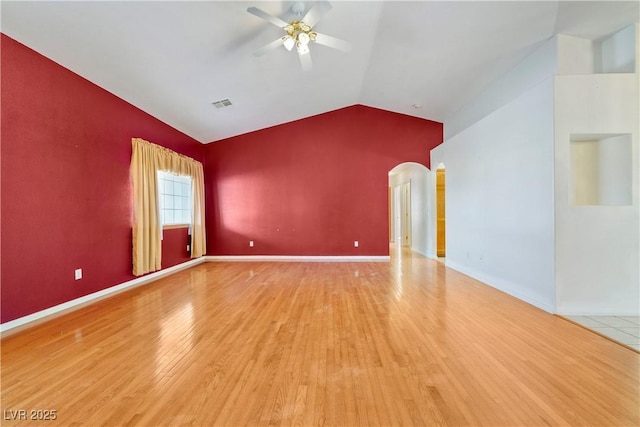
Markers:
(560, 54)
(499, 196)
(421, 203)
(508, 156)
(574, 55)
(617, 53)
(597, 247)
(531, 71)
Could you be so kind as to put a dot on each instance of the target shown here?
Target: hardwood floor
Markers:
(408, 342)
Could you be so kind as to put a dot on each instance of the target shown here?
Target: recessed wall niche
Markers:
(601, 169)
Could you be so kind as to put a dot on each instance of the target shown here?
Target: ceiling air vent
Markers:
(222, 103)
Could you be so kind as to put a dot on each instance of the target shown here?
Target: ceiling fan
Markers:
(299, 32)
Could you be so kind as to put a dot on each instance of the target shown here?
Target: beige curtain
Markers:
(146, 160)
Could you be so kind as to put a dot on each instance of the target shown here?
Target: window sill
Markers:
(172, 226)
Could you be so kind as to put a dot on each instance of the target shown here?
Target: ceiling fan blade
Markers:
(316, 13)
(333, 42)
(267, 17)
(305, 61)
(273, 45)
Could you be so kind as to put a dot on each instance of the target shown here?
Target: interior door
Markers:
(440, 214)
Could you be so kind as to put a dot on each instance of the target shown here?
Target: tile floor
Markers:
(623, 329)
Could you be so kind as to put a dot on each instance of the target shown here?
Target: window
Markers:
(183, 206)
(175, 198)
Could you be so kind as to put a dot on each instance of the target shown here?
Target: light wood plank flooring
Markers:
(408, 342)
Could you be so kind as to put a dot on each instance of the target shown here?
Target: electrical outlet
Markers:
(78, 273)
(188, 248)
(250, 243)
(355, 244)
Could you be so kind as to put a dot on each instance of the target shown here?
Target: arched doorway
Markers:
(410, 206)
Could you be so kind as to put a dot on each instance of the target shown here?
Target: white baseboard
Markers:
(419, 252)
(500, 285)
(33, 319)
(297, 258)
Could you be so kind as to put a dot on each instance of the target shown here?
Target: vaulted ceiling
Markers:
(172, 59)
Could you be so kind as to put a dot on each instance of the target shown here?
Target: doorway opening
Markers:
(410, 208)
(400, 216)
(405, 211)
(441, 244)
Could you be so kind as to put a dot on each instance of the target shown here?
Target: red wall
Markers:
(313, 186)
(66, 197)
(174, 246)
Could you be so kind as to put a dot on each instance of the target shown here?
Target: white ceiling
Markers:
(173, 58)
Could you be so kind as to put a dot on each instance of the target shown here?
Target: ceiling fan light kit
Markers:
(299, 33)
(288, 42)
